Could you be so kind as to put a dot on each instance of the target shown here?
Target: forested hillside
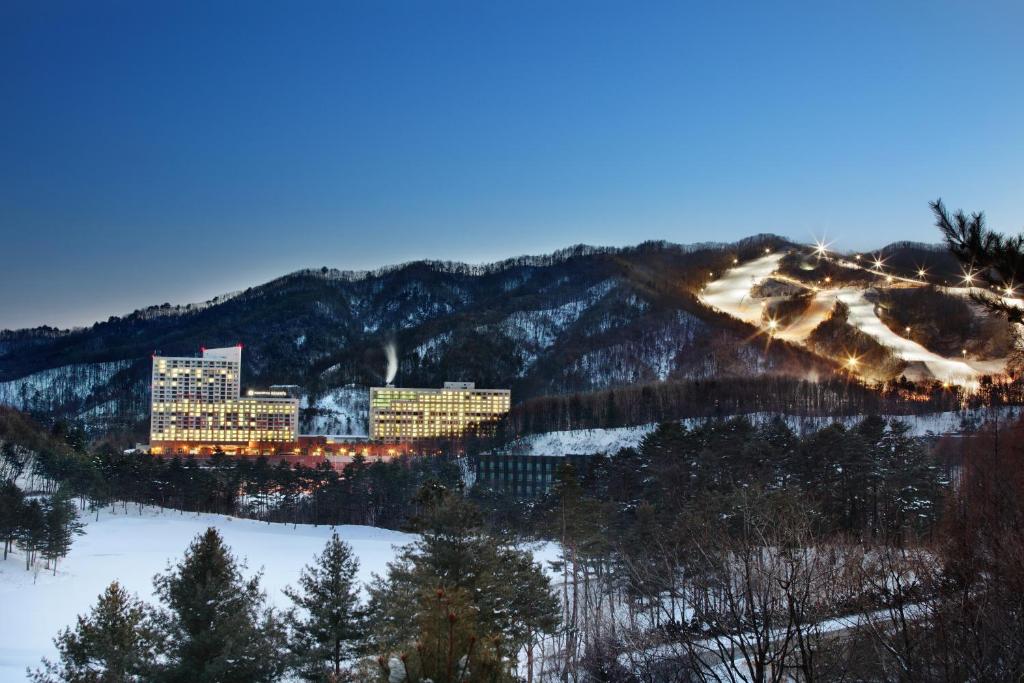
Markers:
(578, 320)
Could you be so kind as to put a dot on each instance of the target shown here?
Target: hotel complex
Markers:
(458, 408)
(197, 407)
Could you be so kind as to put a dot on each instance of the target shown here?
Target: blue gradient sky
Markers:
(155, 152)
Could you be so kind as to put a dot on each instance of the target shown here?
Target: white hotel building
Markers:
(400, 414)
(197, 407)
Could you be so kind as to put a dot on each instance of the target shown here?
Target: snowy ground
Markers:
(133, 548)
(341, 411)
(610, 441)
(732, 294)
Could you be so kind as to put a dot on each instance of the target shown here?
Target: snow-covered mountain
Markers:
(583, 319)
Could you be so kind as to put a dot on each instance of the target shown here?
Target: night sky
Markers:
(172, 151)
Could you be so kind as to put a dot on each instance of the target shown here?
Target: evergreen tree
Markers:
(12, 503)
(114, 643)
(990, 260)
(215, 624)
(509, 595)
(61, 525)
(449, 647)
(31, 533)
(328, 623)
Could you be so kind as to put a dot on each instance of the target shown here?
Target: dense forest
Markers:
(720, 397)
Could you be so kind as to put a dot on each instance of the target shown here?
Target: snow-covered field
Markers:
(731, 294)
(132, 549)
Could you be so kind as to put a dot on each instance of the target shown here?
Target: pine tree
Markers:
(215, 624)
(449, 647)
(510, 598)
(114, 643)
(328, 623)
(61, 525)
(990, 260)
(12, 502)
(31, 533)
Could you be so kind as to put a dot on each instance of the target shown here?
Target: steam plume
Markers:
(391, 351)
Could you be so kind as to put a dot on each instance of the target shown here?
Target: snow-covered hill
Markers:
(610, 441)
(578, 320)
(340, 411)
(58, 386)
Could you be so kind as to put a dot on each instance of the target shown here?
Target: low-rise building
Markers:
(525, 476)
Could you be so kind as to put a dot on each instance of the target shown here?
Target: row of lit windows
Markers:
(193, 362)
(447, 400)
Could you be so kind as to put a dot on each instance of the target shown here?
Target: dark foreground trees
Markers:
(458, 604)
(215, 622)
(115, 643)
(212, 625)
(991, 261)
(328, 623)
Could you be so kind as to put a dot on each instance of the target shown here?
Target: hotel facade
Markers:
(456, 409)
(197, 407)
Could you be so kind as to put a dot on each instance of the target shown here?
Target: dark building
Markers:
(525, 476)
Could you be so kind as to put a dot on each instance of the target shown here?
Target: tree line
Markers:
(719, 397)
(375, 493)
(42, 527)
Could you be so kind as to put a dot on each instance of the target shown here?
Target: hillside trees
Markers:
(12, 501)
(60, 526)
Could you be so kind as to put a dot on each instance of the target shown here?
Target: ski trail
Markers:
(731, 294)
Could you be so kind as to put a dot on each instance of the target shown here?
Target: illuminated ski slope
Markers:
(732, 294)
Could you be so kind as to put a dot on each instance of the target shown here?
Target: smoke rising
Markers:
(391, 351)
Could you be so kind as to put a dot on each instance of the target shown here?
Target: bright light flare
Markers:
(921, 272)
(969, 277)
(821, 248)
(852, 362)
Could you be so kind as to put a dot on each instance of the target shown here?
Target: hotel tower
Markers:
(197, 407)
